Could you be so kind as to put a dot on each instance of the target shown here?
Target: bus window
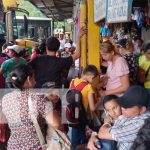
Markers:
(15, 28)
(40, 33)
(31, 32)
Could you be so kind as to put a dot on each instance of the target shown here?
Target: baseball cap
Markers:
(67, 45)
(134, 96)
(15, 48)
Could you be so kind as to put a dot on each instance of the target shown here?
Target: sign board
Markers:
(118, 10)
(99, 10)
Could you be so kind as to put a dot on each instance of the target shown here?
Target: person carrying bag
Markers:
(56, 139)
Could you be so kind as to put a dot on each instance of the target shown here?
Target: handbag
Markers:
(36, 124)
(57, 140)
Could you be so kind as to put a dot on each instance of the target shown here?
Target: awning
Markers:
(56, 9)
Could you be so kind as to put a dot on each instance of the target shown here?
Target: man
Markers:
(9, 64)
(48, 68)
(134, 105)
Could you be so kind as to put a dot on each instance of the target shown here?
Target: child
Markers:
(113, 111)
(88, 75)
(112, 108)
(35, 52)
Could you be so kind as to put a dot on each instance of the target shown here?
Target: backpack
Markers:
(75, 112)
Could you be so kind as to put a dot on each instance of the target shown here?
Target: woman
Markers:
(56, 130)
(117, 71)
(113, 112)
(144, 68)
(16, 109)
(126, 52)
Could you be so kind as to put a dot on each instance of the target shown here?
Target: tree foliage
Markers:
(33, 11)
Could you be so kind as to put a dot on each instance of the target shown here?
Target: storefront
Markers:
(130, 18)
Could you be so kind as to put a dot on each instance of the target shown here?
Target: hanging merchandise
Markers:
(148, 15)
(105, 31)
(139, 17)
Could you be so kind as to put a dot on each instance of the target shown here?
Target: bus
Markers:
(38, 28)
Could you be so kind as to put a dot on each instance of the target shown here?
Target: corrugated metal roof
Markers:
(56, 9)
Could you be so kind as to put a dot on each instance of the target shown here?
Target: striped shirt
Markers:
(125, 130)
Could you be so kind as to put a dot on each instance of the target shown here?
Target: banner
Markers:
(118, 10)
(99, 10)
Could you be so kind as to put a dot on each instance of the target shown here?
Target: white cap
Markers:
(67, 45)
(15, 48)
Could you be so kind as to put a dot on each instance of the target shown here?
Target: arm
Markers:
(91, 100)
(124, 86)
(77, 52)
(1, 71)
(54, 120)
(104, 132)
(91, 143)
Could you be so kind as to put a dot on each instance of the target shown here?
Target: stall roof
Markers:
(56, 9)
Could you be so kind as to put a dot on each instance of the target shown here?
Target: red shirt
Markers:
(34, 55)
(2, 79)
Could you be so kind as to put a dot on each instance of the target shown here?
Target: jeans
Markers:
(78, 137)
(106, 145)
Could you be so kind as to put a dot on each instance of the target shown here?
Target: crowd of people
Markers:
(35, 117)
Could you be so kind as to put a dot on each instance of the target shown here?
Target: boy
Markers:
(89, 73)
(134, 105)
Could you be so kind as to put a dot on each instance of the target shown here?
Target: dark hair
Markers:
(19, 75)
(142, 141)
(42, 46)
(146, 47)
(52, 44)
(109, 98)
(37, 50)
(90, 69)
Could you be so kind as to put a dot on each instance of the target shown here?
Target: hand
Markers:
(81, 32)
(99, 85)
(89, 133)
(91, 143)
(107, 119)
(102, 93)
(105, 80)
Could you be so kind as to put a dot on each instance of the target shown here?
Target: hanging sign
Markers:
(99, 10)
(118, 10)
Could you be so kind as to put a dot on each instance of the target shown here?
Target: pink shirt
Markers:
(34, 55)
(114, 72)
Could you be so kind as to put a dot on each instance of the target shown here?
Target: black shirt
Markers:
(49, 68)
